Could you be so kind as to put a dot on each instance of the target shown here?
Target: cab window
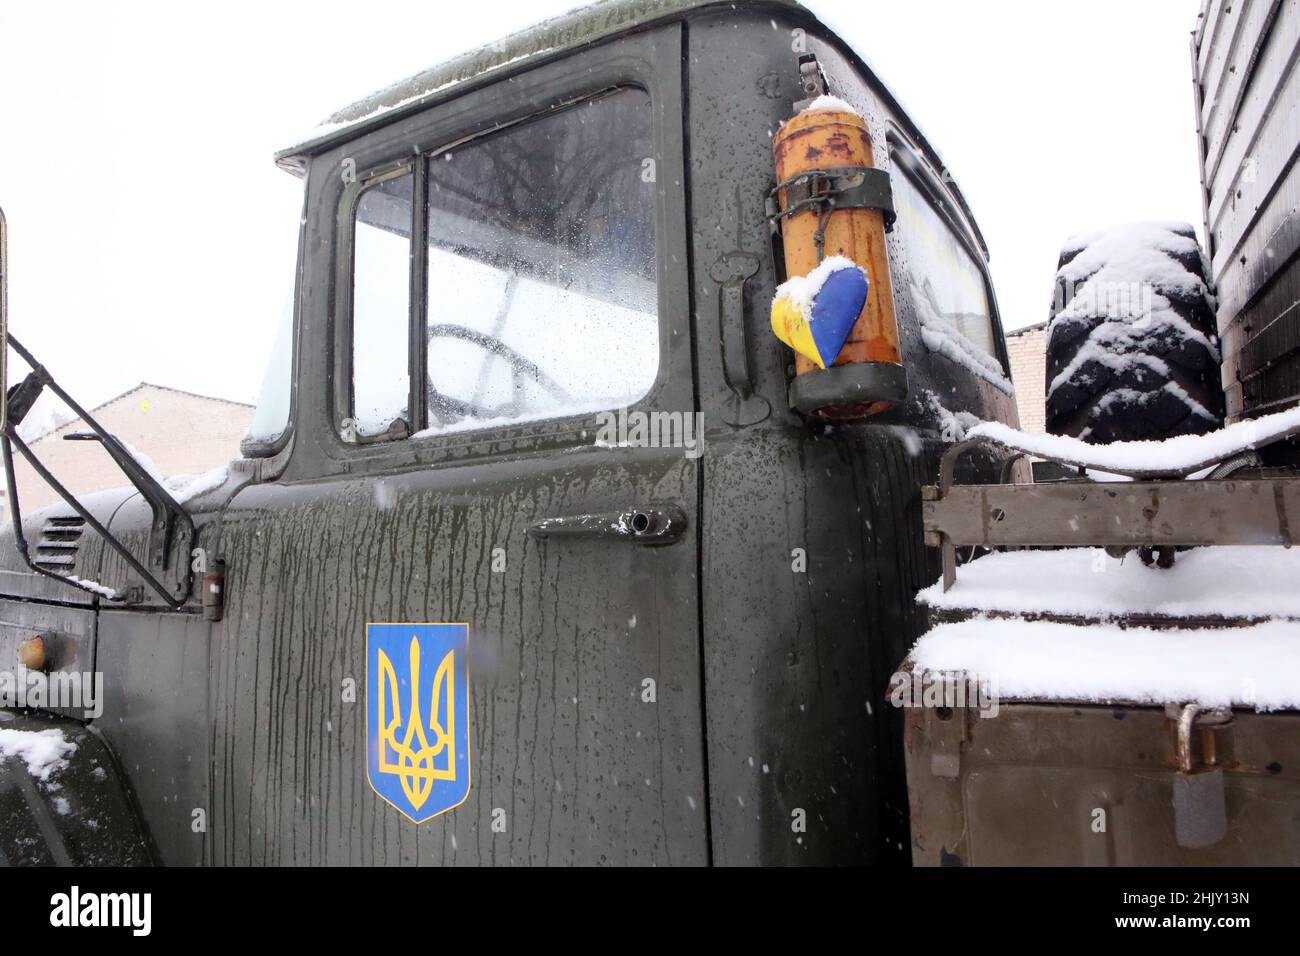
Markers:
(539, 297)
(949, 283)
(381, 305)
(542, 300)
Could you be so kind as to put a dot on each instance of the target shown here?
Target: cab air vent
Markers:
(57, 548)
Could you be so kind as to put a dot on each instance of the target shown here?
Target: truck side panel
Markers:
(812, 553)
(1062, 785)
(1246, 58)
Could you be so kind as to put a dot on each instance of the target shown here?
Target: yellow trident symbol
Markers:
(415, 763)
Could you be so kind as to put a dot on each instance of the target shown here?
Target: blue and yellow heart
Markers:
(814, 314)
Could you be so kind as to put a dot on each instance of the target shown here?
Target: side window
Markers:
(271, 416)
(381, 294)
(542, 299)
(948, 285)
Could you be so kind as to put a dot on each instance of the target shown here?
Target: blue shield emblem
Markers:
(417, 716)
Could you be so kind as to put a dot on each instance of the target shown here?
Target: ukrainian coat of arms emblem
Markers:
(417, 716)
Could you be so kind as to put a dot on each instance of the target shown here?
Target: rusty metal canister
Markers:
(835, 139)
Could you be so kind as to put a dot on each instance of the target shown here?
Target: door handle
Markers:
(661, 524)
(743, 407)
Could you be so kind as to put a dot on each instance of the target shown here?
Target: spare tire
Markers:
(1132, 346)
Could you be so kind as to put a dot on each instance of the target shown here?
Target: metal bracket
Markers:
(825, 191)
(1208, 721)
(812, 81)
(858, 384)
(949, 727)
(1082, 513)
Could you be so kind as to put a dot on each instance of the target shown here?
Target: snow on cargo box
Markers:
(1221, 583)
(1080, 625)
(1255, 667)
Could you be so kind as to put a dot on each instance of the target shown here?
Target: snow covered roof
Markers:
(49, 415)
(167, 388)
(1026, 329)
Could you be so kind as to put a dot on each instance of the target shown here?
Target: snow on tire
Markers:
(1132, 349)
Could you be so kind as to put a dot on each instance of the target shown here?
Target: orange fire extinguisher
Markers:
(831, 201)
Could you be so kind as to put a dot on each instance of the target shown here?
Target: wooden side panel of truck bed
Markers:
(1246, 62)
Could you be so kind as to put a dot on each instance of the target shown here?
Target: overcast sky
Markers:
(152, 238)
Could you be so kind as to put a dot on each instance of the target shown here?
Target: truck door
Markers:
(493, 424)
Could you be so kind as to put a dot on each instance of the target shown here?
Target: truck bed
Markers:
(1042, 709)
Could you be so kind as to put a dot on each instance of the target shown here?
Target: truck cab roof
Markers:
(546, 40)
(552, 39)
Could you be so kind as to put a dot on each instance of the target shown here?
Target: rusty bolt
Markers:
(31, 654)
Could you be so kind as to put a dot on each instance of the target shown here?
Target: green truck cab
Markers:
(679, 649)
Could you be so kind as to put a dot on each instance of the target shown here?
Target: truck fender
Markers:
(63, 801)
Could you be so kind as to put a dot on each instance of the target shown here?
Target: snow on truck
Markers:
(653, 353)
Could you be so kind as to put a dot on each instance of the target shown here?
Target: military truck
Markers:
(524, 277)
(674, 657)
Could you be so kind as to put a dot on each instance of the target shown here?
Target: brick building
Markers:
(1027, 350)
(182, 433)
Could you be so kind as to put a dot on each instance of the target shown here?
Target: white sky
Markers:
(152, 238)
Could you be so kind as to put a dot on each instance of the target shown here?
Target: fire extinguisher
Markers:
(832, 201)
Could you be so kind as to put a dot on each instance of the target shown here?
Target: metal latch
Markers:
(1200, 803)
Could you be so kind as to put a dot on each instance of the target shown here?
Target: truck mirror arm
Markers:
(169, 518)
